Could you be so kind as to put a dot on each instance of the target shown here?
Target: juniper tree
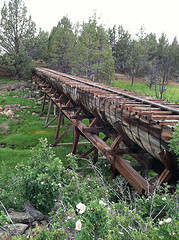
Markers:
(92, 56)
(17, 30)
(61, 42)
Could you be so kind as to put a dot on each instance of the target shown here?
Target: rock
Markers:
(17, 86)
(27, 85)
(34, 113)
(20, 227)
(9, 113)
(21, 217)
(25, 96)
(11, 88)
(11, 107)
(37, 215)
(25, 107)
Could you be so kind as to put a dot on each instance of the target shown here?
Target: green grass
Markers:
(17, 100)
(24, 132)
(172, 92)
(2, 80)
(11, 157)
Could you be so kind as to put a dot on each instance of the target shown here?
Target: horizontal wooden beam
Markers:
(70, 144)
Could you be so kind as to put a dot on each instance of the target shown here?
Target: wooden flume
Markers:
(138, 125)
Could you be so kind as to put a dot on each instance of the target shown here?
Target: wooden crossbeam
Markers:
(47, 124)
(63, 135)
(68, 144)
(84, 155)
(116, 151)
(93, 122)
(117, 141)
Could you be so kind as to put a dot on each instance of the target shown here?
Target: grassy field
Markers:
(172, 91)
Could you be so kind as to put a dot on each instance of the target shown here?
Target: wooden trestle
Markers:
(137, 125)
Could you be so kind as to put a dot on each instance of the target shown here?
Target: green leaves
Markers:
(60, 46)
(92, 55)
(39, 181)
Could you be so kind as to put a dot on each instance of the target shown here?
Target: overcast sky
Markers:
(156, 16)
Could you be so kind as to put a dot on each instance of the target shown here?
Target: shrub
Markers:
(39, 181)
(94, 221)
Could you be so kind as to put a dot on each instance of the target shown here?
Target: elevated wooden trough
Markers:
(138, 125)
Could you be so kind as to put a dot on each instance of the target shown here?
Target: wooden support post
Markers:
(49, 110)
(95, 156)
(40, 93)
(76, 137)
(43, 105)
(54, 110)
(59, 125)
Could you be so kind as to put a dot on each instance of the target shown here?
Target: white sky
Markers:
(156, 16)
